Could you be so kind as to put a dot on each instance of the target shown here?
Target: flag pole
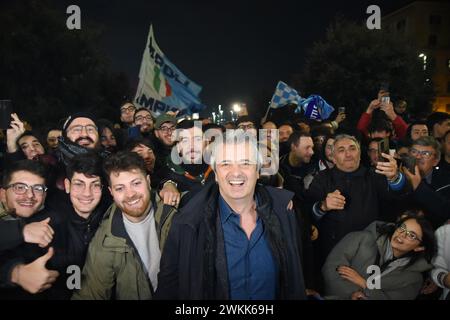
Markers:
(265, 116)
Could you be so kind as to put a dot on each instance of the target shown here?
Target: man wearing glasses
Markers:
(431, 184)
(80, 128)
(127, 111)
(164, 128)
(144, 120)
(23, 268)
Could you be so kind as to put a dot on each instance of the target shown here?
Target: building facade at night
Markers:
(427, 23)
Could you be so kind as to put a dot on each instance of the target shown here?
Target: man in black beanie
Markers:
(81, 128)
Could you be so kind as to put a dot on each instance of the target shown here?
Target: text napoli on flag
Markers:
(284, 95)
(162, 86)
(315, 107)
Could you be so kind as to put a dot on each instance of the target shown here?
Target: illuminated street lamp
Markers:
(424, 57)
(236, 107)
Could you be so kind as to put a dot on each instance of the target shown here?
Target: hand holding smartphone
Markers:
(383, 147)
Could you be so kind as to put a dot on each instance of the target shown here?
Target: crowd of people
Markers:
(166, 208)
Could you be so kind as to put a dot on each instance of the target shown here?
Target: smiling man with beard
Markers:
(123, 258)
(186, 167)
(234, 239)
(80, 128)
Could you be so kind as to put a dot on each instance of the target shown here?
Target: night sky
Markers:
(233, 49)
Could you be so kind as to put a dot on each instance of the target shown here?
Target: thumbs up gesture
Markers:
(39, 232)
(334, 201)
(35, 277)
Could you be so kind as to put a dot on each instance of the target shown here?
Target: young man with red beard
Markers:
(123, 258)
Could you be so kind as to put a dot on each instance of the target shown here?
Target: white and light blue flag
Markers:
(284, 95)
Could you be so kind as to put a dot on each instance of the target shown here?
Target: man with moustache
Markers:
(123, 257)
(144, 121)
(296, 165)
(186, 166)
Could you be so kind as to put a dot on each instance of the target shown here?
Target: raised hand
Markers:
(334, 201)
(35, 277)
(388, 169)
(13, 133)
(38, 232)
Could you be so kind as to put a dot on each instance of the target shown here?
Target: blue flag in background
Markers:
(315, 107)
(162, 86)
(284, 95)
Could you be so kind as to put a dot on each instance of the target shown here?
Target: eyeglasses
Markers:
(81, 186)
(246, 126)
(22, 188)
(410, 235)
(140, 118)
(424, 154)
(167, 129)
(90, 129)
(371, 150)
(127, 109)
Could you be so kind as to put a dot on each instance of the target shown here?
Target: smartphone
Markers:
(341, 110)
(385, 100)
(409, 162)
(5, 113)
(383, 147)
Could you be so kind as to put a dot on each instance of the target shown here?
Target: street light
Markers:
(424, 57)
(236, 107)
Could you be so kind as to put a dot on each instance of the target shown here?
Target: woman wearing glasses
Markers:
(383, 262)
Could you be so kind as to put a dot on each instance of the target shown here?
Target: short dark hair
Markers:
(415, 123)
(213, 126)
(142, 109)
(186, 124)
(402, 144)
(123, 161)
(247, 119)
(373, 140)
(89, 164)
(380, 125)
(29, 134)
(35, 167)
(133, 143)
(436, 118)
(294, 138)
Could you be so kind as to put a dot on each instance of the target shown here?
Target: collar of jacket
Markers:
(3, 211)
(94, 218)
(360, 172)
